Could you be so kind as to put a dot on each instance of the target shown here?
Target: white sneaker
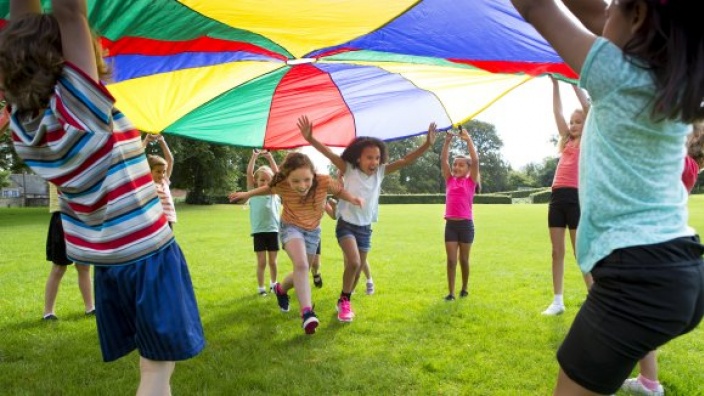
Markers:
(554, 309)
(635, 387)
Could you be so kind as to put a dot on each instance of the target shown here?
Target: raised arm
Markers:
(474, 166)
(415, 154)
(272, 164)
(562, 128)
(20, 8)
(583, 99)
(306, 128)
(250, 169)
(168, 156)
(76, 38)
(590, 13)
(570, 38)
(445, 156)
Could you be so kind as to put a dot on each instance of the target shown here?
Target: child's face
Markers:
(369, 159)
(158, 173)
(460, 167)
(262, 179)
(576, 124)
(300, 180)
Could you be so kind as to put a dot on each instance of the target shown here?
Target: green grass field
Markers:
(405, 339)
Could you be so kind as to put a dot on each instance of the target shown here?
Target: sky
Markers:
(523, 120)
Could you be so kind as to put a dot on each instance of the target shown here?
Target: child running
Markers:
(66, 128)
(563, 210)
(363, 167)
(162, 168)
(264, 217)
(641, 62)
(303, 195)
(460, 185)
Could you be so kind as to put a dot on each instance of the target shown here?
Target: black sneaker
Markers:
(450, 297)
(281, 298)
(310, 322)
(464, 293)
(318, 280)
(50, 317)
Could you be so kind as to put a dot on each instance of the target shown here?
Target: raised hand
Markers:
(432, 129)
(306, 127)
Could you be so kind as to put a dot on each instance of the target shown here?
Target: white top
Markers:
(367, 187)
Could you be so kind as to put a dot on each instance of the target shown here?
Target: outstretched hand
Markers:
(306, 128)
(236, 196)
(357, 201)
(432, 129)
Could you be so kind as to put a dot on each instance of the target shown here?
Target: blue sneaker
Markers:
(281, 298)
(310, 322)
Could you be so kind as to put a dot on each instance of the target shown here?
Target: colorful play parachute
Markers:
(240, 72)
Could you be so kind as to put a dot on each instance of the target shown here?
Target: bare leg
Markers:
(52, 287)
(352, 263)
(649, 366)
(261, 267)
(296, 250)
(557, 238)
(315, 264)
(465, 248)
(155, 377)
(451, 249)
(588, 281)
(273, 265)
(567, 387)
(84, 284)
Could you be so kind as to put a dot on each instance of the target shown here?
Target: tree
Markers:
(422, 176)
(205, 169)
(493, 168)
(9, 160)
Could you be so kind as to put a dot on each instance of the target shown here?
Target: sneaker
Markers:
(262, 292)
(450, 297)
(370, 287)
(635, 387)
(50, 317)
(464, 293)
(91, 312)
(344, 311)
(281, 298)
(310, 322)
(318, 280)
(554, 309)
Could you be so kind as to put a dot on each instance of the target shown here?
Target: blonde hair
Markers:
(155, 160)
(264, 169)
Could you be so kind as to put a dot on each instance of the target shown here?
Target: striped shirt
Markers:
(306, 214)
(81, 143)
(167, 201)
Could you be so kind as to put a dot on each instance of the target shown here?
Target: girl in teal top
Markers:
(641, 62)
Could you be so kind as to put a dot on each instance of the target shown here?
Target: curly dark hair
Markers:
(670, 43)
(292, 162)
(31, 60)
(353, 152)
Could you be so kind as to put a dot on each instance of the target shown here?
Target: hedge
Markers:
(541, 197)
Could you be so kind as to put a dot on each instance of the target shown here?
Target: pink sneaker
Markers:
(344, 311)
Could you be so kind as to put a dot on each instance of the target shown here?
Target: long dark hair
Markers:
(353, 152)
(292, 162)
(671, 44)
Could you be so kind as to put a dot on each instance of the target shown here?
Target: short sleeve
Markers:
(604, 69)
(82, 103)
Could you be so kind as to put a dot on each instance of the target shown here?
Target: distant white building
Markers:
(25, 190)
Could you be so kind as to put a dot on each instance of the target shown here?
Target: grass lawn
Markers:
(405, 339)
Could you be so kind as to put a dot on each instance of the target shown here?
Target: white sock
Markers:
(558, 300)
(261, 289)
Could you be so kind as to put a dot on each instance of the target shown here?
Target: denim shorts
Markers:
(310, 238)
(362, 234)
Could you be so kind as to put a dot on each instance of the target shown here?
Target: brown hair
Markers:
(155, 160)
(292, 162)
(31, 60)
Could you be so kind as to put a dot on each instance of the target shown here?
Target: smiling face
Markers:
(300, 180)
(369, 159)
(158, 173)
(576, 123)
(460, 167)
(262, 178)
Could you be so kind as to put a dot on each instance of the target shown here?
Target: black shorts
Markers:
(461, 231)
(642, 297)
(55, 241)
(266, 241)
(563, 210)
